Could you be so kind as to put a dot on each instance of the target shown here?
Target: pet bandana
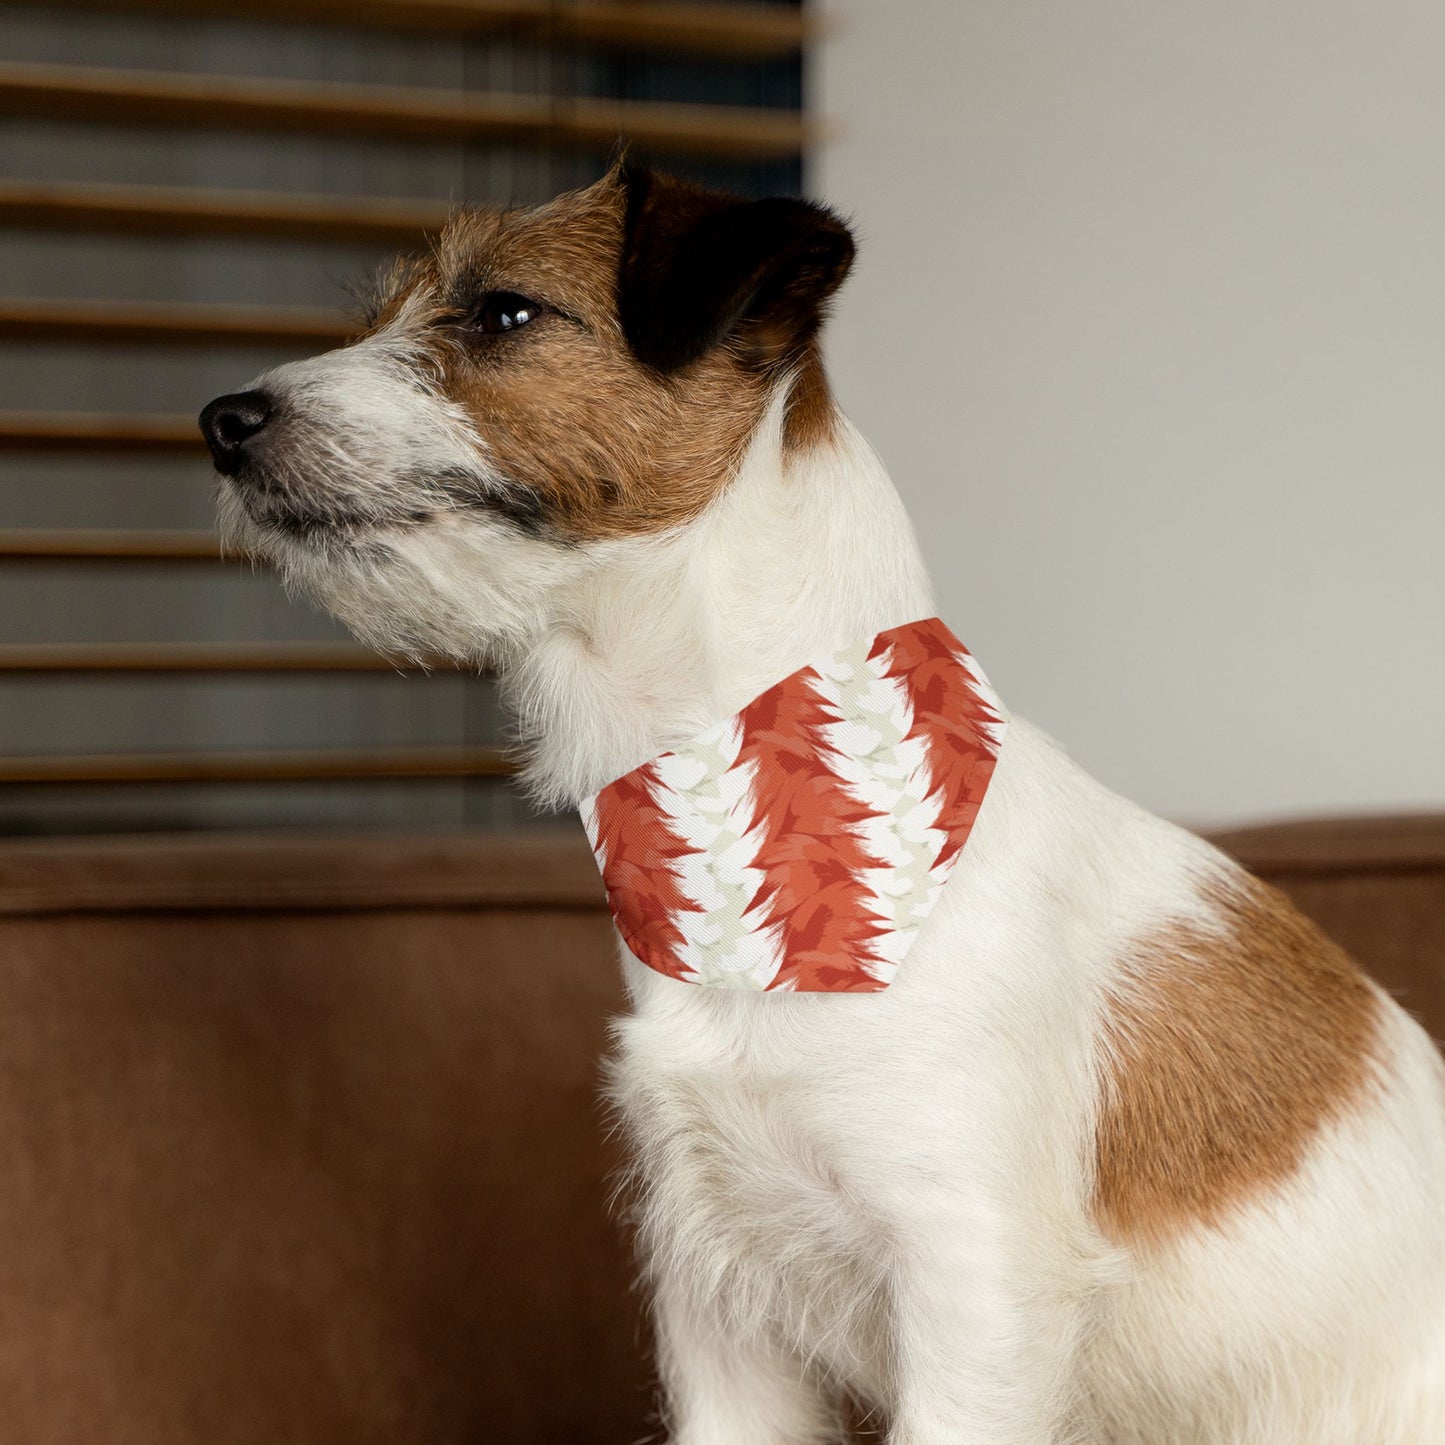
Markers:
(801, 843)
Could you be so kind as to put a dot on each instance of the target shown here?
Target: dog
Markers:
(1125, 1152)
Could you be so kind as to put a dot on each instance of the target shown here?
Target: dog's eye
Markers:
(504, 311)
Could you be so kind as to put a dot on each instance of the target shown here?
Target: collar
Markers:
(801, 843)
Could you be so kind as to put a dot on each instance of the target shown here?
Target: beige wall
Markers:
(1149, 324)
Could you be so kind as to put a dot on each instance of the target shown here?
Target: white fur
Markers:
(891, 1193)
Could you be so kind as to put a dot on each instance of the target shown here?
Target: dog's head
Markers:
(545, 383)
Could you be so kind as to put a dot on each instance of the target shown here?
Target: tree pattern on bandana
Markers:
(801, 844)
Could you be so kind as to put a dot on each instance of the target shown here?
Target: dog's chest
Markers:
(747, 1155)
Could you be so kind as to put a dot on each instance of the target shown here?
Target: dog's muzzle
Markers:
(230, 423)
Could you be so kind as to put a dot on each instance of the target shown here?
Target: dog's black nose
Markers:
(229, 422)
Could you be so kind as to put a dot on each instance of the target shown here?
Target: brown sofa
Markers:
(302, 1142)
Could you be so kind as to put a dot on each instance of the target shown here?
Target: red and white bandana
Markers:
(801, 843)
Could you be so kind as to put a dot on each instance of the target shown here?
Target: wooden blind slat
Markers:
(172, 323)
(328, 765)
(186, 657)
(218, 102)
(762, 32)
(755, 32)
(98, 432)
(85, 544)
(77, 431)
(172, 211)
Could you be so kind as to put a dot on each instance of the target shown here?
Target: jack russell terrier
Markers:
(1101, 1143)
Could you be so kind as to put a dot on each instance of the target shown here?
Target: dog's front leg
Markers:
(984, 1339)
(724, 1386)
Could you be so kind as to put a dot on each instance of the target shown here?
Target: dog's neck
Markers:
(803, 553)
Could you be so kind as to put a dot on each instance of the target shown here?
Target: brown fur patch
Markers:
(1227, 1052)
(606, 445)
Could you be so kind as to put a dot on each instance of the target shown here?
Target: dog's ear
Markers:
(700, 266)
